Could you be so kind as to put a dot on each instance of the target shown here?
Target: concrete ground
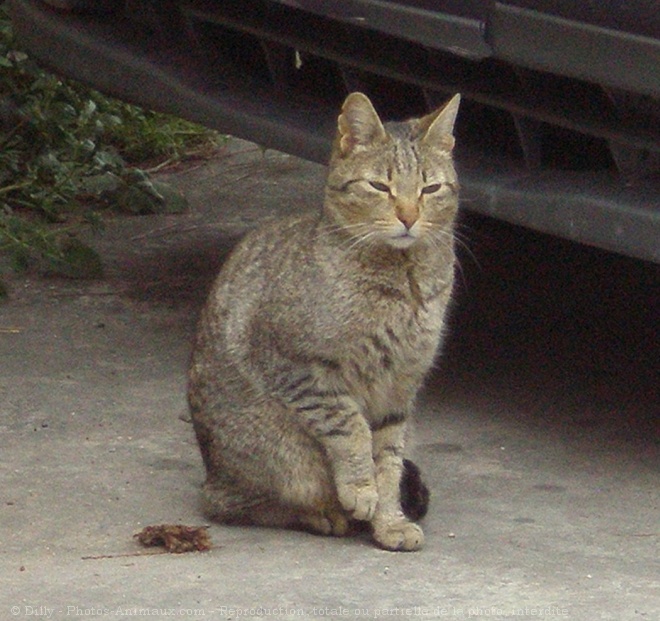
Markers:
(538, 434)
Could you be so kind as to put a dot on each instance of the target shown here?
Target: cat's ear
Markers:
(437, 128)
(358, 124)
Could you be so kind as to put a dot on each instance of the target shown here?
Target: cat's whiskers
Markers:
(328, 230)
(443, 239)
(355, 234)
(362, 240)
(461, 241)
(338, 226)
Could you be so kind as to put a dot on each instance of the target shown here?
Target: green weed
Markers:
(66, 153)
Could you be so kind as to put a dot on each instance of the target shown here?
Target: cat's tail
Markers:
(414, 494)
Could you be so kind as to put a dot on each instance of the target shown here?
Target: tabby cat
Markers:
(318, 334)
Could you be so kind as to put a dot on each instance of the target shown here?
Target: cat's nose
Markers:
(408, 215)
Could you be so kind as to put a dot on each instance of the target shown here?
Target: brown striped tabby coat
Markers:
(318, 334)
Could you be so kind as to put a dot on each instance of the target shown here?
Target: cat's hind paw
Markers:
(359, 500)
(332, 523)
(401, 535)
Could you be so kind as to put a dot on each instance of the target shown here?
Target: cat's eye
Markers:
(381, 187)
(431, 189)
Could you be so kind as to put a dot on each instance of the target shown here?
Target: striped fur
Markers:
(318, 334)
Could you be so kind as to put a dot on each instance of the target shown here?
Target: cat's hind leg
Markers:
(284, 482)
(237, 508)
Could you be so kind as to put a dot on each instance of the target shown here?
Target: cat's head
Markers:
(393, 183)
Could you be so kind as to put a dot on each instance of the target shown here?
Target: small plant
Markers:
(66, 151)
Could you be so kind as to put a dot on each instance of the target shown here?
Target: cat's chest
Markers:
(408, 306)
(390, 352)
(397, 337)
(384, 370)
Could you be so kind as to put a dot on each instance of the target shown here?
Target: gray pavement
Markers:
(537, 434)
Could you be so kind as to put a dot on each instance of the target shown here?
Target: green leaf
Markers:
(64, 112)
(103, 186)
(141, 196)
(16, 56)
(49, 161)
(78, 260)
(87, 146)
(89, 109)
(135, 200)
(108, 160)
(173, 200)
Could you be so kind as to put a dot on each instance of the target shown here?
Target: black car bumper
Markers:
(559, 130)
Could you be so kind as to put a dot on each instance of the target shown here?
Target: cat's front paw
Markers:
(359, 500)
(401, 535)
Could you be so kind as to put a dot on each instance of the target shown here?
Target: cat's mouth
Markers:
(402, 240)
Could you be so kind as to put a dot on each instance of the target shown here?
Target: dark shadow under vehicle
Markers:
(560, 123)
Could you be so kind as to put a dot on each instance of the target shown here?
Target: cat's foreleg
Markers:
(336, 422)
(391, 529)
